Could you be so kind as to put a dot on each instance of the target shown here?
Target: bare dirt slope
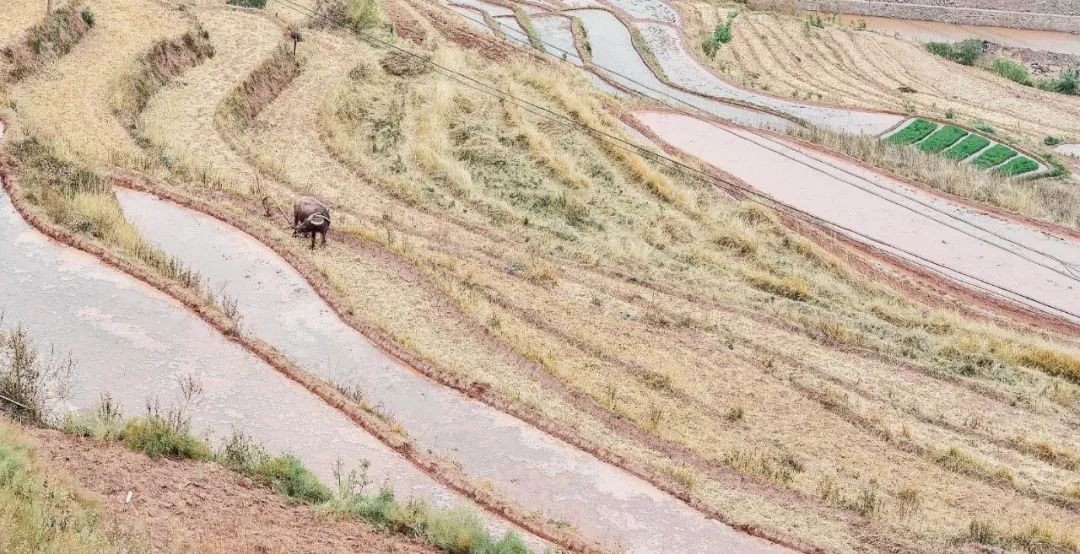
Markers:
(184, 506)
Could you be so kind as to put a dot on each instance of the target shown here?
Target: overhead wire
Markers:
(758, 197)
(1067, 270)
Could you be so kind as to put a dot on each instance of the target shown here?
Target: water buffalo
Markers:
(310, 217)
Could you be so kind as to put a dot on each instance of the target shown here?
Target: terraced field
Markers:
(584, 343)
(960, 144)
(841, 64)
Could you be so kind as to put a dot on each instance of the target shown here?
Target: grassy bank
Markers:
(41, 512)
(168, 434)
(54, 37)
(81, 200)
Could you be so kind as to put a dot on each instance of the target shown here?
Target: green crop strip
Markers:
(1018, 165)
(942, 139)
(970, 145)
(995, 155)
(914, 132)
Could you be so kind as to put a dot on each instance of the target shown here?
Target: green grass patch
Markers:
(41, 513)
(942, 139)
(1012, 70)
(964, 52)
(1018, 166)
(966, 147)
(159, 436)
(459, 530)
(1066, 83)
(914, 132)
(993, 156)
(721, 35)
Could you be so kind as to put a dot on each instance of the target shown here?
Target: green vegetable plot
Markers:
(1018, 165)
(970, 145)
(914, 132)
(942, 139)
(959, 144)
(993, 156)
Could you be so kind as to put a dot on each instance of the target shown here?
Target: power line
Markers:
(1069, 271)
(758, 197)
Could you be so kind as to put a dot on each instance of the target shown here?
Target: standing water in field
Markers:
(534, 469)
(135, 343)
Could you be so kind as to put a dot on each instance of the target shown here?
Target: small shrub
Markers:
(815, 21)
(161, 436)
(103, 423)
(985, 127)
(720, 35)
(456, 531)
(1051, 140)
(29, 383)
(1066, 83)
(950, 114)
(1012, 70)
(287, 475)
(87, 15)
(964, 52)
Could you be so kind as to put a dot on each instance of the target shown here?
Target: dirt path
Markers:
(185, 506)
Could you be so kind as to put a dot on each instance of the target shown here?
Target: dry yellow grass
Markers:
(70, 104)
(19, 15)
(838, 64)
(489, 239)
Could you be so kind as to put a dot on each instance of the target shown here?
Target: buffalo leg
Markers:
(324, 238)
(313, 233)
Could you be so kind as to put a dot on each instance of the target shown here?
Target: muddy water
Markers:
(555, 31)
(926, 31)
(682, 68)
(135, 343)
(827, 192)
(613, 50)
(1069, 150)
(532, 468)
(655, 10)
(474, 18)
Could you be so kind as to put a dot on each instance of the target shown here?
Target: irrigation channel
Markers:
(532, 468)
(989, 251)
(135, 343)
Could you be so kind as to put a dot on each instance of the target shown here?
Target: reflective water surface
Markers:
(531, 467)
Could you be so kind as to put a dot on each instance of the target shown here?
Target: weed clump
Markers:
(30, 384)
(358, 15)
(455, 531)
(721, 35)
(964, 52)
